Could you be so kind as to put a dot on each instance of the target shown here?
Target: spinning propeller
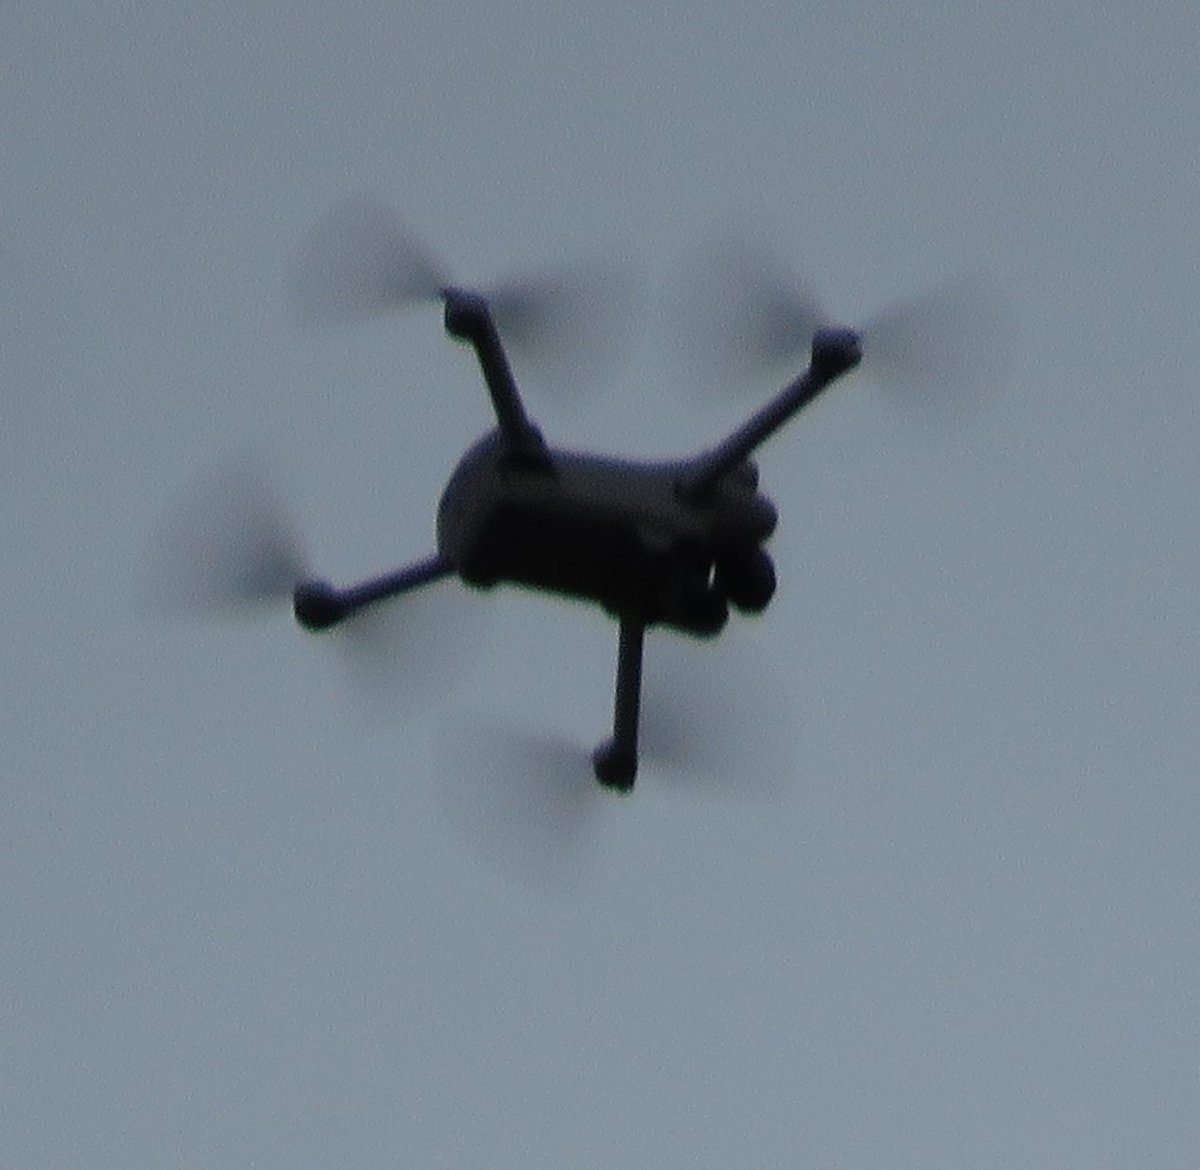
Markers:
(740, 317)
(570, 327)
(226, 546)
(225, 543)
(718, 729)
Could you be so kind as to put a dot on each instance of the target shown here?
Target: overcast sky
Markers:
(930, 894)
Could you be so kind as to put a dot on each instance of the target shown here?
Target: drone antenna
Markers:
(469, 319)
(834, 352)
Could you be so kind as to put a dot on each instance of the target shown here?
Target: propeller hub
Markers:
(317, 605)
(836, 350)
(467, 316)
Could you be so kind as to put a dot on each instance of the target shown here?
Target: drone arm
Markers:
(318, 605)
(615, 760)
(834, 352)
(469, 319)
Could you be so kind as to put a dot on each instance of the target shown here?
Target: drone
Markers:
(674, 543)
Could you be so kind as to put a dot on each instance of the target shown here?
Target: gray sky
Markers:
(949, 916)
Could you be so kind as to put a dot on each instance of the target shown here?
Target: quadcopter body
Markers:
(612, 531)
(670, 543)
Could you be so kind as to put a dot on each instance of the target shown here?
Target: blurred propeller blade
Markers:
(736, 316)
(398, 658)
(718, 720)
(942, 356)
(572, 330)
(225, 543)
(356, 262)
(524, 802)
(939, 356)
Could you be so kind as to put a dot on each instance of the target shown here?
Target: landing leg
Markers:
(615, 760)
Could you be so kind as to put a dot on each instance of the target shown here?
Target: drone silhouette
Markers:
(673, 543)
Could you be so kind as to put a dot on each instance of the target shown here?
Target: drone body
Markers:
(614, 532)
(670, 543)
